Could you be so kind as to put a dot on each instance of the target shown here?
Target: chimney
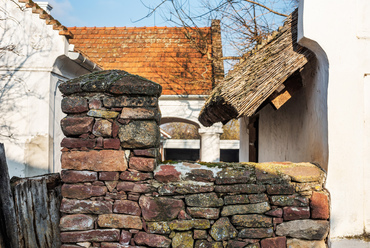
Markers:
(45, 6)
(218, 63)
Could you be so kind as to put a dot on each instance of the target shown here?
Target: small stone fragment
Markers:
(167, 173)
(251, 220)
(277, 242)
(152, 240)
(204, 200)
(319, 204)
(256, 233)
(296, 213)
(142, 164)
(119, 221)
(97, 113)
(304, 229)
(223, 230)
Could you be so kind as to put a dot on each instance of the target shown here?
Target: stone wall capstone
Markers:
(115, 194)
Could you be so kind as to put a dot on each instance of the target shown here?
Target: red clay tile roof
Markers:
(161, 54)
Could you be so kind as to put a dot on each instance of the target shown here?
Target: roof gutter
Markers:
(83, 61)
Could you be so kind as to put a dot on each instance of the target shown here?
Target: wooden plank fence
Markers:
(29, 209)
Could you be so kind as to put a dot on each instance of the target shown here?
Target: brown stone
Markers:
(241, 188)
(116, 195)
(134, 85)
(277, 242)
(167, 173)
(139, 134)
(296, 213)
(193, 188)
(125, 237)
(135, 176)
(105, 160)
(111, 144)
(257, 198)
(207, 213)
(280, 189)
(126, 207)
(134, 187)
(151, 152)
(303, 173)
(74, 126)
(78, 191)
(289, 200)
(251, 220)
(108, 176)
(256, 208)
(142, 164)
(76, 222)
(277, 212)
(95, 104)
(269, 178)
(183, 239)
(71, 206)
(207, 244)
(223, 230)
(256, 233)
(233, 176)
(160, 208)
(91, 235)
(74, 105)
(152, 240)
(277, 220)
(159, 227)
(319, 204)
(130, 101)
(204, 200)
(166, 189)
(298, 243)
(237, 244)
(111, 185)
(77, 143)
(115, 128)
(120, 221)
(97, 113)
(184, 225)
(70, 176)
(236, 199)
(200, 175)
(102, 128)
(140, 113)
(304, 229)
(200, 234)
(70, 87)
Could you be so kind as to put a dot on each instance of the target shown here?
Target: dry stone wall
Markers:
(116, 195)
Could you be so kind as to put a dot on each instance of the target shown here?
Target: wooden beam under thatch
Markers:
(256, 78)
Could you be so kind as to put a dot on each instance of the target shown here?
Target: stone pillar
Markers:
(218, 63)
(210, 143)
(109, 154)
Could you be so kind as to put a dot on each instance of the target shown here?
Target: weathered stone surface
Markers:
(69, 176)
(319, 204)
(207, 213)
(277, 212)
(269, 177)
(116, 195)
(98, 113)
(74, 105)
(241, 188)
(105, 160)
(277, 242)
(207, 244)
(236, 199)
(233, 176)
(120, 221)
(126, 207)
(298, 243)
(142, 164)
(79, 191)
(70, 246)
(193, 188)
(102, 128)
(257, 198)
(200, 175)
(115, 245)
(200, 234)
(76, 222)
(134, 187)
(130, 101)
(111, 185)
(256, 233)
(167, 173)
(152, 240)
(280, 189)
(160, 208)
(304, 229)
(183, 239)
(77, 143)
(296, 213)
(159, 227)
(134, 85)
(139, 134)
(135, 176)
(125, 237)
(289, 200)
(303, 173)
(151, 152)
(85, 207)
(140, 113)
(204, 200)
(109, 175)
(254, 245)
(223, 230)
(166, 189)
(251, 220)
(277, 220)
(91, 235)
(257, 208)
(74, 126)
(184, 225)
(236, 244)
(95, 103)
(111, 144)
(70, 87)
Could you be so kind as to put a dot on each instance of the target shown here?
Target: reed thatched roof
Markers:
(254, 79)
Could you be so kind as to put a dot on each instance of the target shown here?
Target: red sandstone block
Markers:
(126, 207)
(115, 128)
(120, 221)
(72, 206)
(277, 212)
(125, 237)
(77, 143)
(167, 173)
(91, 235)
(76, 222)
(113, 245)
(102, 128)
(108, 175)
(80, 191)
(319, 204)
(74, 126)
(74, 105)
(142, 164)
(70, 176)
(277, 220)
(133, 187)
(135, 176)
(280, 189)
(152, 240)
(152, 152)
(277, 242)
(111, 144)
(296, 213)
(95, 104)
